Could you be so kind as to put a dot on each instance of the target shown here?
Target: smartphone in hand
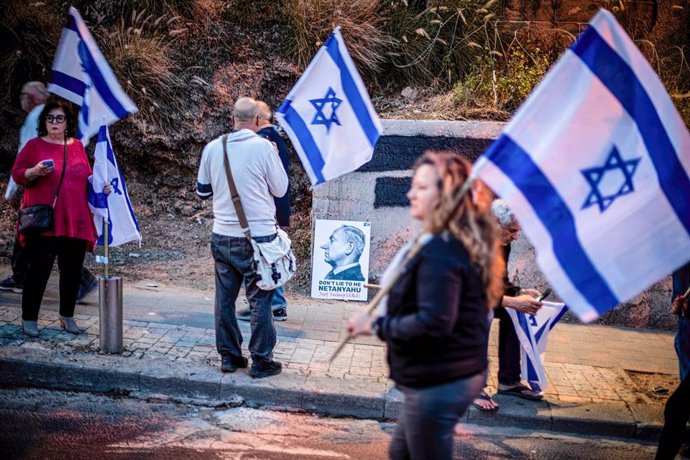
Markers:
(544, 295)
(49, 163)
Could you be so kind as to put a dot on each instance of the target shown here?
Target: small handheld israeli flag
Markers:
(116, 208)
(81, 74)
(328, 114)
(533, 333)
(596, 167)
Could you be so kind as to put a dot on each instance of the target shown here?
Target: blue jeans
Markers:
(428, 418)
(233, 263)
(279, 300)
(682, 343)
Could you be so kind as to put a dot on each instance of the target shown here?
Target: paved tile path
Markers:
(583, 362)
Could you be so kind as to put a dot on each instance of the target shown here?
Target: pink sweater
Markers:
(73, 216)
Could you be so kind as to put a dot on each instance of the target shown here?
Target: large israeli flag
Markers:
(116, 208)
(533, 333)
(596, 167)
(328, 114)
(81, 74)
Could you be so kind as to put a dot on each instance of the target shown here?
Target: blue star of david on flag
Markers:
(605, 222)
(330, 92)
(614, 166)
(320, 117)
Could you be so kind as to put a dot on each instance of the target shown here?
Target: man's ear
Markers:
(350, 248)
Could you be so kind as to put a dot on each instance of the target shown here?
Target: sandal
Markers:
(484, 397)
(521, 391)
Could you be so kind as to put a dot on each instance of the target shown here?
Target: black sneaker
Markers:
(261, 369)
(230, 364)
(280, 314)
(8, 284)
(244, 315)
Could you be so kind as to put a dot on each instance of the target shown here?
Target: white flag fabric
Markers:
(596, 167)
(81, 74)
(533, 333)
(116, 207)
(328, 114)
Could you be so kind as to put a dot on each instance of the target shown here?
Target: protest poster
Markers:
(341, 259)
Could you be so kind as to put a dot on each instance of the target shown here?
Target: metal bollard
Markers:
(110, 313)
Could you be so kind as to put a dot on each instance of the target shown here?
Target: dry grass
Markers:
(140, 51)
(360, 23)
(29, 33)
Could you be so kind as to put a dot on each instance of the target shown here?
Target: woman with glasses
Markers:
(435, 320)
(39, 167)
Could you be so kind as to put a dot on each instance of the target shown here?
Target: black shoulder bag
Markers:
(34, 220)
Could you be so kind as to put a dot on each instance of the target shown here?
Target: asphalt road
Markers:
(46, 424)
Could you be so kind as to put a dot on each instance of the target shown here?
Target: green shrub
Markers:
(441, 43)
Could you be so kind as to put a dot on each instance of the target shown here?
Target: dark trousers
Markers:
(42, 251)
(508, 349)
(20, 263)
(233, 263)
(428, 417)
(676, 415)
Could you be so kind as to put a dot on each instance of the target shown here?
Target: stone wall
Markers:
(376, 193)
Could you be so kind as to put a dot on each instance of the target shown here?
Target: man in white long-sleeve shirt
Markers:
(259, 176)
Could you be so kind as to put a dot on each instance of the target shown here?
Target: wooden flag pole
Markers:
(384, 289)
(105, 244)
(379, 295)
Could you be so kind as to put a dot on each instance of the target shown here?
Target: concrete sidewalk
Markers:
(170, 350)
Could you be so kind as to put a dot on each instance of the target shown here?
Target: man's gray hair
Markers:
(503, 213)
(245, 109)
(354, 236)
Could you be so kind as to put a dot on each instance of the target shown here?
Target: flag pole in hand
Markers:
(384, 289)
(379, 295)
(105, 245)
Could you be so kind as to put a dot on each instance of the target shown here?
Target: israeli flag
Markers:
(81, 74)
(328, 114)
(596, 167)
(116, 207)
(533, 333)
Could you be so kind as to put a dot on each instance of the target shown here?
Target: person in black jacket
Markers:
(435, 321)
(269, 131)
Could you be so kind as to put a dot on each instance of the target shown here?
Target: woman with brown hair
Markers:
(435, 323)
(55, 163)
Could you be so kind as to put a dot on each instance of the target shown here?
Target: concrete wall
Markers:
(376, 193)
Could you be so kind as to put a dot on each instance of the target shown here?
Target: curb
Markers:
(84, 372)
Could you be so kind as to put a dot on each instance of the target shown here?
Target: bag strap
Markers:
(233, 192)
(62, 176)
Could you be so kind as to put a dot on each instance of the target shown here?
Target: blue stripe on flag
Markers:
(623, 83)
(556, 218)
(527, 330)
(68, 82)
(111, 158)
(311, 150)
(71, 23)
(94, 72)
(100, 83)
(354, 98)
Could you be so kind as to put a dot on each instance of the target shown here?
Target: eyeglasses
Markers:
(55, 119)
